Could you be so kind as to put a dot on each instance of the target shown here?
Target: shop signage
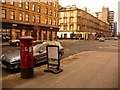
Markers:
(52, 55)
(53, 59)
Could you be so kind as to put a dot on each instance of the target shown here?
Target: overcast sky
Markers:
(119, 17)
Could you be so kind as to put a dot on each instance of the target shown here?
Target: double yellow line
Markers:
(71, 56)
(9, 76)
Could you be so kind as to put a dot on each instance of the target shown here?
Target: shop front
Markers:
(12, 31)
(6, 34)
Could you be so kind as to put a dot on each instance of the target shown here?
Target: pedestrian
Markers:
(79, 38)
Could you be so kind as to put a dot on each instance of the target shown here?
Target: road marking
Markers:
(71, 56)
(10, 75)
(37, 68)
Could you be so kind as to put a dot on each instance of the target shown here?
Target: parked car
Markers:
(115, 38)
(101, 39)
(96, 38)
(107, 38)
(17, 42)
(11, 60)
(14, 42)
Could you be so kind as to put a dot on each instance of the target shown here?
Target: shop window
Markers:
(50, 35)
(3, 13)
(20, 3)
(34, 34)
(6, 34)
(20, 16)
(45, 35)
(12, 15)
(27, 17)
(65, 35)
(17, 34)
(33, 7)
(71, 35)
(55, 34)
(61, 35)
(27, 5)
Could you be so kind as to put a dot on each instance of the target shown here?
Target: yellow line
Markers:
(77, 54)
(8, 76)
(62, 59)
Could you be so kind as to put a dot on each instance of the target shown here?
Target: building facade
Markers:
(111, 21)
(115, 29)
(106, 16)
(77, 23)
(23, 18)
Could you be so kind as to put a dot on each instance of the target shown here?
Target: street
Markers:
(71, 47)
(97, 68)
(77, 44)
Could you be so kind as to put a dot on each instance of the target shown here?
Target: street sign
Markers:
(53, 59)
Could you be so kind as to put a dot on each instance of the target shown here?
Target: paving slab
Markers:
(94, 69)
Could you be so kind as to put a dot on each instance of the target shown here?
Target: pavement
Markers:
(88, 69)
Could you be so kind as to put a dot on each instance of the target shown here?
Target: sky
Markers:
(93, 5)
(119, 17)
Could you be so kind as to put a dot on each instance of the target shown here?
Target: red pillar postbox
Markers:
(26, 57)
